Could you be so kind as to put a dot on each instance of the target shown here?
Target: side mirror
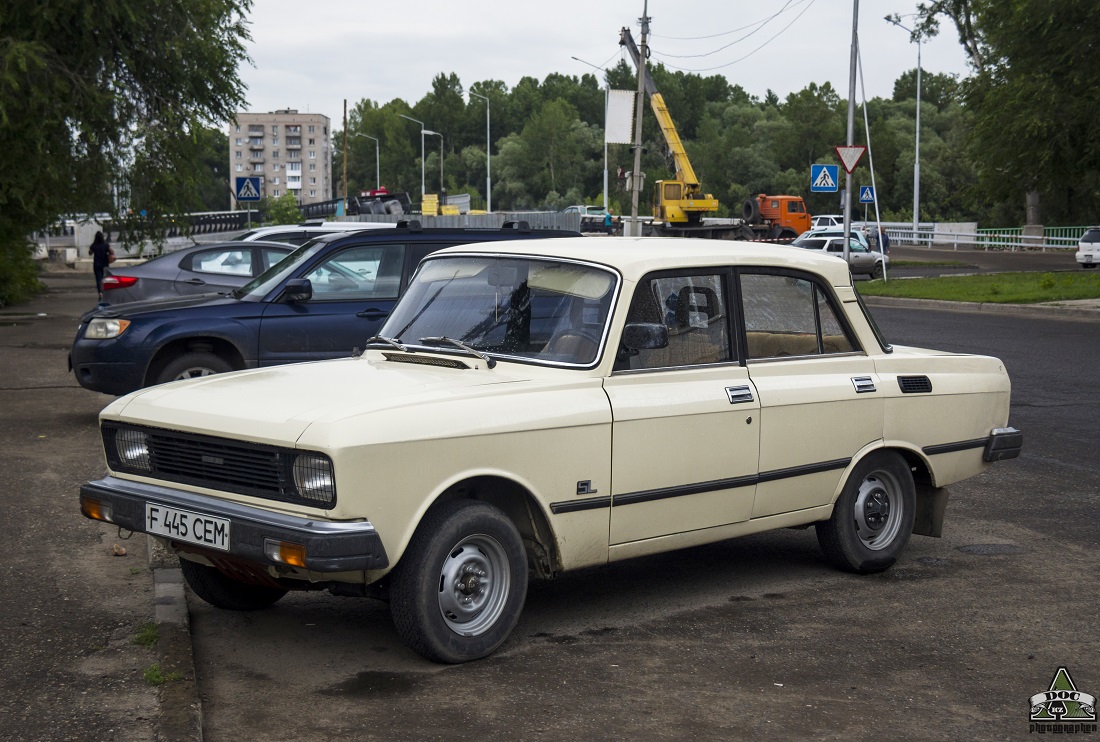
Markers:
(298, 289)
(645, 336)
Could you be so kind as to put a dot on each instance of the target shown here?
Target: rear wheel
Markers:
(221, 591)
(458, 590)
(873, 517)
(192, 366)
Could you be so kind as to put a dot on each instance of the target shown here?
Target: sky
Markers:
(311, 56)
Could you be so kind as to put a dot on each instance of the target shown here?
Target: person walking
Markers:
(883, 242)
(102, 256)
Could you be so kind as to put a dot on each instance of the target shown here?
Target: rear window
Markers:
(1091, 235)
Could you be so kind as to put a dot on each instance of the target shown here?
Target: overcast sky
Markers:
(311, 56)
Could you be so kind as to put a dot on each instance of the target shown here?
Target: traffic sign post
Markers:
(850, 156)
(247, 191)
(824, 178)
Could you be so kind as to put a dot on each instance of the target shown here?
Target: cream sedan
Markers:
(533, 408)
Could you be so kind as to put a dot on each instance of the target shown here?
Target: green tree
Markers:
(88, 90)
(282, 210)
(1034, 100)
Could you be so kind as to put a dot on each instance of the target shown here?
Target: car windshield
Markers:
(530, 309)
(263, 284)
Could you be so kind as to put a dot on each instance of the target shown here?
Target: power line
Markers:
(809, 4)
(756, 25)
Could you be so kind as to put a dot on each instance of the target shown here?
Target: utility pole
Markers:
(636, 177)
(851, 127)
(344, 209)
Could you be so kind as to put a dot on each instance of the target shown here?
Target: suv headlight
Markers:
(102, 328)
(314, 478)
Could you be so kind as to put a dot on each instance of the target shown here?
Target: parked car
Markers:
(861, 260)
(1088, 248)
(325, 299)
(857, 234)
(540, 407)
(826, 221)
(592, 217)
(299, 234)
(199, 269)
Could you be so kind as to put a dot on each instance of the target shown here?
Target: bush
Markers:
(18, 273)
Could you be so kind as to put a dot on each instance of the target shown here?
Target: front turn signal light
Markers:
(96, 509)
(285, 552)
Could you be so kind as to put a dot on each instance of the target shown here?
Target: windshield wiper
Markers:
(387, 341)
(489, 362)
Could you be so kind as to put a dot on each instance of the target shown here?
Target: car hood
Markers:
(149, 306)
(276, 405)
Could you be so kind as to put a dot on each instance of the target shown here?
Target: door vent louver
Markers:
(915, 384)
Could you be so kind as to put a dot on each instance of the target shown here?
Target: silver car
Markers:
(860, 258)
(199, 269)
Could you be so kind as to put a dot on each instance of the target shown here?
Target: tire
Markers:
(193, 365)
(873, 517)
(224, 592)
(458, 590)
(877, 271)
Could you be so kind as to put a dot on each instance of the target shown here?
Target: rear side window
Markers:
(232, 262)
(789, 316)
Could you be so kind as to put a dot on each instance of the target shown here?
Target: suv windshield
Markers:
(523, 308)
(263, 284)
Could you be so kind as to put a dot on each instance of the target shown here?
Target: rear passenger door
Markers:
(820, 402)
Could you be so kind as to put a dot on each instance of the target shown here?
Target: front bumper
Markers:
(329, 546)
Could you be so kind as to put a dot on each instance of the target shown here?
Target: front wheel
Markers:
(192, 366)
(458, 590)
(878, 270)
(873, 517)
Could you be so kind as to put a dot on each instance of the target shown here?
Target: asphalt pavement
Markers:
(73, 606)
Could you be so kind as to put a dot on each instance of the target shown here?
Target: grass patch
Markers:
(998, 288)
(153, 675)
(930, 264)
(146, 636)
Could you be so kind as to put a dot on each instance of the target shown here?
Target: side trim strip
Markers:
(952, 447)
(573, 506)
(698, 488)
(799, 471)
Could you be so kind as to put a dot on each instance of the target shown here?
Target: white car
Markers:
(531, 408)
(1088, 248)
(861, 259)
(299, 234)
(827, 221)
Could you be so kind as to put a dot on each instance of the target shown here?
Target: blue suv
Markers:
(322, 301)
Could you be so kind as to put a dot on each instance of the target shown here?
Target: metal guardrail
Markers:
(1010, 239)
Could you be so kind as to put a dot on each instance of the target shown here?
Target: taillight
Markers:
(118, 282)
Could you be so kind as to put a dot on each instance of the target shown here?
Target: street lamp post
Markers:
(428, 132)
(488, 144)
(605, 97)
(415, 121)
(914, 36)
(377, 169)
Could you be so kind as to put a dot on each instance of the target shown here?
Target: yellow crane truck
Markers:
(680, 204)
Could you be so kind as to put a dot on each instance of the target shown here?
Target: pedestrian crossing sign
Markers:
(248, 189)
(866, 194)
(824, 178)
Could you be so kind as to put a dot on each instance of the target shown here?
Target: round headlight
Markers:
(132, 447)
(313, 477)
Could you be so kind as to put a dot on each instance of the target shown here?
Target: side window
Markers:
(693, 308)
(363, 272)
(787, 316)
(269, 257)
(224, 262)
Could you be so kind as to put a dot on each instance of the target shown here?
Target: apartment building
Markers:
(290, 152)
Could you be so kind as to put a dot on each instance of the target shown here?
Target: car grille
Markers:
(207, 461)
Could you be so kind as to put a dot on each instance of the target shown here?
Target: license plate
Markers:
(1088, 258)
(183, 525)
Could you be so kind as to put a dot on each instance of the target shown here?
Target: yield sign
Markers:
(849, 156)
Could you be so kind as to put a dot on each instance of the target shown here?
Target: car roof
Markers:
(635, 257)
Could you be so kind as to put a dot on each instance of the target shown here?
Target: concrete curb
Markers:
(1086, 312)
(180, 704)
